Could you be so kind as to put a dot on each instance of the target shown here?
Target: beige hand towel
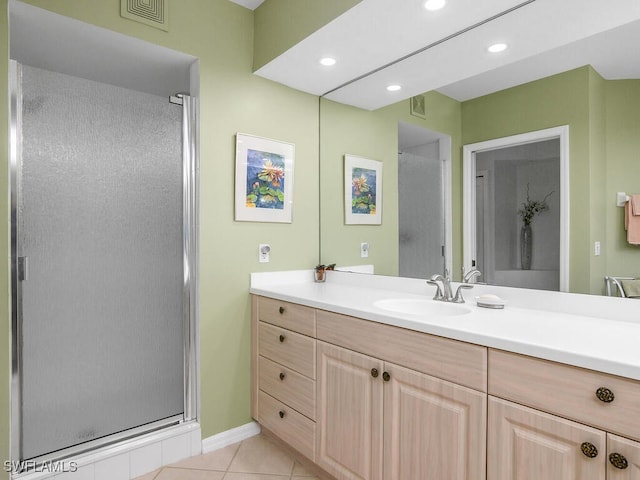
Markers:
(632, 219)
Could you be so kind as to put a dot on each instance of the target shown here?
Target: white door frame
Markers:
(468, 192)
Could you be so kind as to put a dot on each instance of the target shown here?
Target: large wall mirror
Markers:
(602, 117)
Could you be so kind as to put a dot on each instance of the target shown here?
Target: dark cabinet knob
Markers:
(618, 461)
(605, 395)
(282, 375)
(589, 450)
(282, 337)
(281, 413)
(386, 377)
(374, 372)
(281, 310)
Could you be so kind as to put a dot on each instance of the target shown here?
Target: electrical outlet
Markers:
(596, 249)
(364, 250)
(263, 252)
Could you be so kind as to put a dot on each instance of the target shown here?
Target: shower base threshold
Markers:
(127, 459)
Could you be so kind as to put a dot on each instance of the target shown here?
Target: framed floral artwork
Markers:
(264, 179)
(363, 191)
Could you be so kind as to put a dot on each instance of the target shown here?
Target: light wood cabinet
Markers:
(283, 390)
(433, 429)
(378, 420)
(605, 401)
(349, 435)
(541, 440)
(370, 401)
(527, 444)
(623, 457)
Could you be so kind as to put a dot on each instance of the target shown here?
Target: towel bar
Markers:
(622, 198)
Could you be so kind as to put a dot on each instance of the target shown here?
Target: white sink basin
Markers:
(420, 306)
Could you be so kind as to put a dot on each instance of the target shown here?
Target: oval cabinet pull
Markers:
(282, 375)
(374, 372)
(281, 413)
(282, 337)
(589, 450)
(618, 461)
(605, 395)
(281, 310)
(385, 376)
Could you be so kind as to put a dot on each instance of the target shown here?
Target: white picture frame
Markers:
(264, 179)
(362, 191)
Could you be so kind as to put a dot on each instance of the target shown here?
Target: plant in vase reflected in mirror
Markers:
(527, 213)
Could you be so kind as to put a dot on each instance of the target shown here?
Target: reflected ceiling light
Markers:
(432, 5)
(394, 88)
(497, 48)
(327, 61)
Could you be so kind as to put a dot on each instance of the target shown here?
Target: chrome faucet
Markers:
(445, 294)
(474, 272)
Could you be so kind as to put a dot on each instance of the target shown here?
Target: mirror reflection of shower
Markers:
(508, 180)
(423, 172)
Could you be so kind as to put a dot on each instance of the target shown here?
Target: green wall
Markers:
(622, 172)
(603, 123)
(374, 135)
(563, 99)
(281, 24)
(232, 100)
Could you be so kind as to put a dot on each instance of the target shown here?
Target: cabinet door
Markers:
(623, 458)
(526, 444)
(433, 429)
(349, 413)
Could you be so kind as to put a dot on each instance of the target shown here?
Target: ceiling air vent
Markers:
(150, 12)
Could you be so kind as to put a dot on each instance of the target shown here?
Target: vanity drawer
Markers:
(567, 391)
(451, 360)
(287, 348)
(289, 387)
(289, 425)
(294, 317)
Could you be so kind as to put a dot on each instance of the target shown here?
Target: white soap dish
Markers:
(490, 301)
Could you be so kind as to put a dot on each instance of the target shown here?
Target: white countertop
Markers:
(599, 333)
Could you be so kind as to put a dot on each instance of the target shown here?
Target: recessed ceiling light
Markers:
(497, 47)
(328, 61)
(432, 5)
(394, 88)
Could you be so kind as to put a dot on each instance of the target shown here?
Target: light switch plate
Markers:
(364, 250)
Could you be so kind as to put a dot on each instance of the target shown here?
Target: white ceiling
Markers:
(47, 40)
(250, 4)
(545, 37)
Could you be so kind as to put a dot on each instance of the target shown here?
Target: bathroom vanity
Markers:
(369, 378)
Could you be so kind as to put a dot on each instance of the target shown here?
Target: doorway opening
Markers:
(424, 201)
(515, 210)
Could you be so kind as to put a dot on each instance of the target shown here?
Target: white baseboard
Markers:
(230, 437)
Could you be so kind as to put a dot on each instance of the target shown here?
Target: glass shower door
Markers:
(421, 215)
(99, 240)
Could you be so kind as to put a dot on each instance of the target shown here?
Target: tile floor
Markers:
(255, 458)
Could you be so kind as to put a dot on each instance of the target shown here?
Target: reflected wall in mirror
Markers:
(603, 118)
(374, 134)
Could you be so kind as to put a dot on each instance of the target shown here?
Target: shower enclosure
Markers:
(103, 263)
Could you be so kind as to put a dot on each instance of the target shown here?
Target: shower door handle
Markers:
(23, 269)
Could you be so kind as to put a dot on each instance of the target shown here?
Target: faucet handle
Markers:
(438, 295)
(458, 297)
